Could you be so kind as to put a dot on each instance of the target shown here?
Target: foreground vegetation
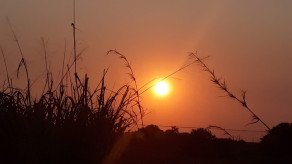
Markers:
(69, 123)
(32, 137)
(62, 128)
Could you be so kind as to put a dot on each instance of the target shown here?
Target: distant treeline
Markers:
(152, 145)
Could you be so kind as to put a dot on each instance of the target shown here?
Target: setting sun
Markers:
(161, 88)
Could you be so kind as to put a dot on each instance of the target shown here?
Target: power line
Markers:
(194, 127)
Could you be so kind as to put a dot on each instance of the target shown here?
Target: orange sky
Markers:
(249, 43)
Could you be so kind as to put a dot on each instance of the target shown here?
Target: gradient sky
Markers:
(249, 44)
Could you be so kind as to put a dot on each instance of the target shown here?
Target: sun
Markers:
(161, 88)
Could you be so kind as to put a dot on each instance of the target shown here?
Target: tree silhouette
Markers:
(202, 134)
(279, 140)
(172, 131)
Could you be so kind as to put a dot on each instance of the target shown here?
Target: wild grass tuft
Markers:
(68, 119)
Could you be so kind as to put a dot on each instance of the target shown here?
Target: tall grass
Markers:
(67, 118)
(96, 117)
(132, 76)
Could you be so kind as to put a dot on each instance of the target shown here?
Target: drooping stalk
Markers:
(22, 61)
(222, 85)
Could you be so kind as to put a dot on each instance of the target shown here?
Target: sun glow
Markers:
(161, 88)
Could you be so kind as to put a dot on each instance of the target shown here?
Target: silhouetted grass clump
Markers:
(68, 122)
(63, 126)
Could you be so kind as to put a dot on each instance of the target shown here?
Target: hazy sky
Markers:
(249, 44)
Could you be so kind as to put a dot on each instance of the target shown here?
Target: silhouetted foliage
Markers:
(200, 146)
(73, 124)
(150, 131)
(57, 129)
(278, 141)
(172, 131)
(61, 128)
(202, 134)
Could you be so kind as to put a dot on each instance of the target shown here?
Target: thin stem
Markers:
(7, 74)
(222, 85)
(22, 60)
(64, 56)
(46, 61)
(74, 35)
